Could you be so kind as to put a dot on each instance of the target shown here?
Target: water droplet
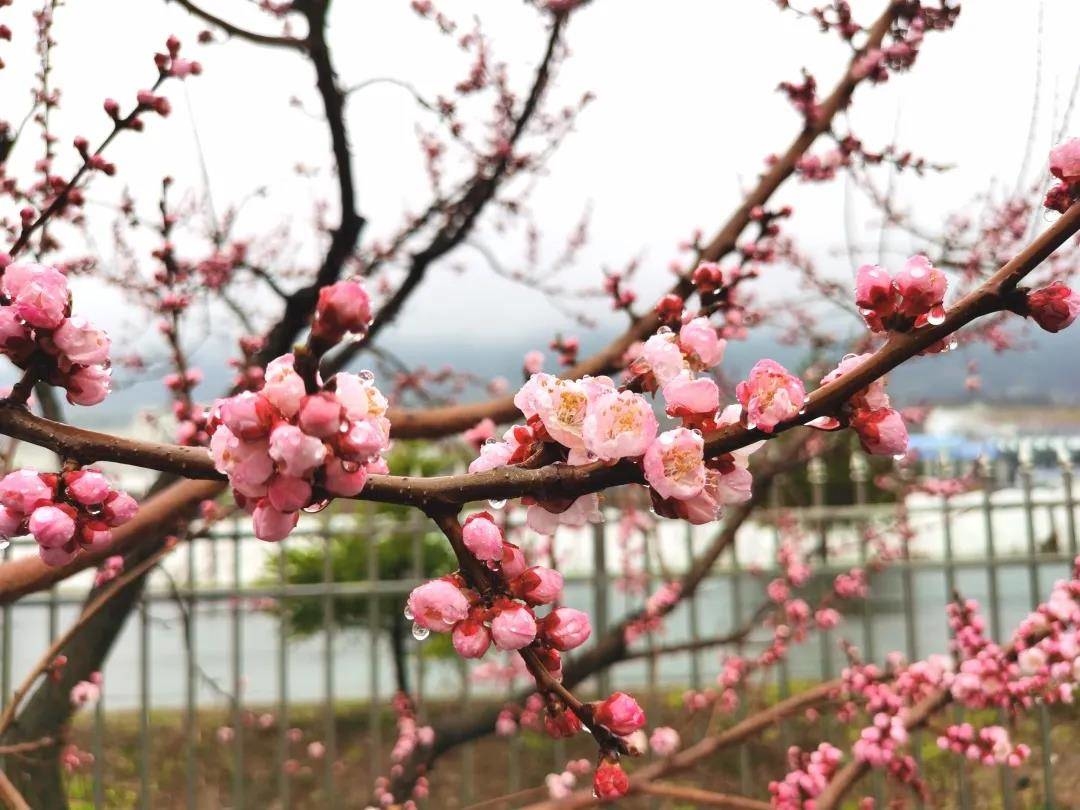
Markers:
(953, 344)
(350, 466)
(899, 456)
(751, 426)
(420, 633)
(664, 330)
(4, 543)
(695, 431)
(318, 506)
(345, 428)
(497, 503)
(408, 613)
(802, 411)
(366, 376)
(936, 316)
(491, 440)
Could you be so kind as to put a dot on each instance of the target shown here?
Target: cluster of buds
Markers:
(1065, 166)
(507, 619)
(898, 303)
(171, 64)
(880, 427)
(990, 745)
(37, 329)
(64, 512)
(297, 442)
(807, 778)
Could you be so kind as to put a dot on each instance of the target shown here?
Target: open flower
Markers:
(674, 464)
(770, 395)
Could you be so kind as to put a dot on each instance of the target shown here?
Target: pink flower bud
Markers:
(51, 526)
(288, 494)
(482, 537)
(342, 481)
(38, 292)
(1055, 306)
(610, 781)
(620, 713)
(921, 287)
(88, 487)
(283, 387)
(565, 628)
(22, 491)
(513, 627)
(513, 561)
(770, 395)
(119, 508)
(471, 639)
(11, 523)
(364, 440)
(342, 307)
(320, 415)
(88, 385)
(272, 525)
(882, 432)
(686, 396)
(249, 416)
(701, 344)
(1065, 161)
(538, 585)
(664, 741)
(438, 605)
(16, 340)
(82, 343)
(296, 453)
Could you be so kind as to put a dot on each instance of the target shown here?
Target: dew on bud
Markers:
(899, 456)
(419, 632)
(408, 613)
(366, 376)
(664, 330)
(491, 440)
(316, 507)
(497, 503)
(936, 316)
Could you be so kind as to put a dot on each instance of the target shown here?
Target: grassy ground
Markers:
(495, 767)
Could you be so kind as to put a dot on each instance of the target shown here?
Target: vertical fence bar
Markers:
(329, 720)
(947, 471)
(237, 671)
(737, 613)
(693, 617)
(373, 537)
(144, 704)
(601, 586)
(5, 644)
(1065, 463)
(985, 472)
(99, 753)
(191, 720)
(783, 668)
(817, 474)
(1026, 470)
(284, 742)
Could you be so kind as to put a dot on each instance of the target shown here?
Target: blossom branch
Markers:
(242, 33)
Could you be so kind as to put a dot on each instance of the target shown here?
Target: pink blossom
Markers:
(610, 781)
(674, 464)
(619, 425)
(513, 562)
(662, 355)
(39, 293)
(770, 395)
(438, 605)
(1065, 161)
(296, 453)
(10, 523)
(85, 692)
(873, 396)
(492, 455)
(686, 396)
(664, 741)
(561, 406)
(22, 490)
(565, 628)
(364, 441)
(15, 337)
(538, 585)
(81, 342)
(513, 627)
(51, 526)
(482, 537)
(533, 362)
(271, 525)
(283, 387)
(119, 508)
(882, 432)
(316, 750)
(247, 464)
(701, 344)
(471, 639)
(620, 713)
(88, 487)
(874, 295)
(585, 509)
(340, 481)
(921, 286)
(342, 307)
(288, 494)
(480, 432)
(1055, 306)
(88, 385)
(361, 399)
(249, 416)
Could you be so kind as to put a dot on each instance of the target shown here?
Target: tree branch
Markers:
(242, 33)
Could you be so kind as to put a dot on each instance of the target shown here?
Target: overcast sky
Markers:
(686, 111)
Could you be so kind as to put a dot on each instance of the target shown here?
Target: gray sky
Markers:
(686, 111)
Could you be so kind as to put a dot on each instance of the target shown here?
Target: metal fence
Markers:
(211, 645)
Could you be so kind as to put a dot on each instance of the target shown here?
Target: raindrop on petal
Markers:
(496, 503)
(419, 632)
(408, 613)
(318, 506)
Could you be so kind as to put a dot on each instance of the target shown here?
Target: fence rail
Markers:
(213, 639)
